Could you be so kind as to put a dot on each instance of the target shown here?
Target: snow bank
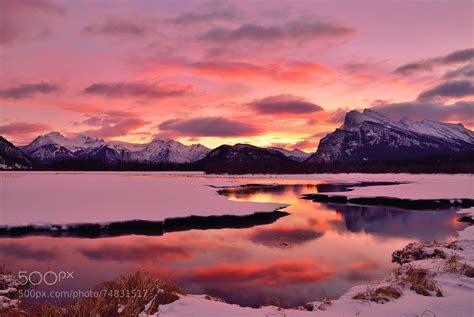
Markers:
(8, 291)
(64, 198)
(101, 197)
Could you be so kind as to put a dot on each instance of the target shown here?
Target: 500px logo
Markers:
(49, 278)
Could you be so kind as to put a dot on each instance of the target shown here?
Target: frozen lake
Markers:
(318, 250)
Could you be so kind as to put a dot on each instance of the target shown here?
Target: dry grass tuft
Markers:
(421, 281)
(417, 251)
(150, 290)
(128, 295)
(453, 264)
(467, 270)
(379, 295)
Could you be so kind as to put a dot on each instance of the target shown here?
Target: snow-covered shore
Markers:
(100, 197)
(430, 268)
(434, 279)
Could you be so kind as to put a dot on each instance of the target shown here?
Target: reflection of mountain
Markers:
(389, 222)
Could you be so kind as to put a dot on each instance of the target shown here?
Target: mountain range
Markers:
(364, 137)
(54, 147)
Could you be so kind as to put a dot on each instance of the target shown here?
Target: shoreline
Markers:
(432, 278)
(445, 272)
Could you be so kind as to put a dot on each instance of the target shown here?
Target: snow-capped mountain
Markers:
(370, 136)
(11, 157)
(54, 147)
(170, 151)
(295, 154)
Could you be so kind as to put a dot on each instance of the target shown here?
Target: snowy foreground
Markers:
(433, 279)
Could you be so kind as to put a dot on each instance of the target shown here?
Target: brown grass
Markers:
(380, 295)
(453, 264)
(150, 291)
(421, 281)
(415, 251)
(467, 270)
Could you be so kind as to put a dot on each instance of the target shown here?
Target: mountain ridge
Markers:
(370, 136)
(364, 139)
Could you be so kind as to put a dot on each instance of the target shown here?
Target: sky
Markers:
(223, 72)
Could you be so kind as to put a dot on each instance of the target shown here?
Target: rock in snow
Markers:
(370, 136)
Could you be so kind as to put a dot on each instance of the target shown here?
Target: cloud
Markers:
(210, 126)
(113, 124)
(296, 30)
(138, 90)
(461, 56)
(466, 71)
(118, 128)
(22, 128)
(284, 104)
(118, 27)
(337, 116)
(321, 134)
(420, 110)
(204, 17)
(26, 19)
(306, 144)
(28, 90)
(449, 89)
(278, 71)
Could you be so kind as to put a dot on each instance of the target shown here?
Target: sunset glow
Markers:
(266, 73)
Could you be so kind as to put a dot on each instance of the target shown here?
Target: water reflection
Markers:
(389, 222)
(319, 250)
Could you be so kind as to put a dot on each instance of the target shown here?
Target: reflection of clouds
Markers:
(288, 282)
(312, 221)
(137, 251)
(390, 222)
(279, 271)
(26, 251)
(284, 237)
(361, 271)
(337, 225)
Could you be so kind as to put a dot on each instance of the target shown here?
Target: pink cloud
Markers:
(138, 90)
(27, 19)
(22, 128)
(277, 71)
(285, 104)
(210, 126)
